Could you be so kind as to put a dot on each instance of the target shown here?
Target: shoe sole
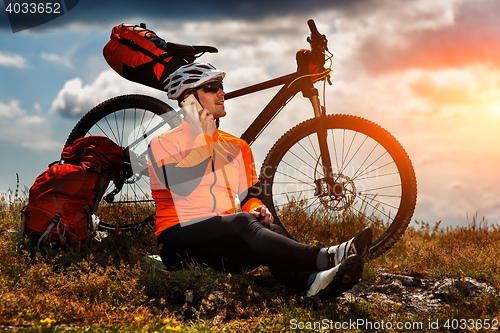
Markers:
(348, 275)
(362, 242)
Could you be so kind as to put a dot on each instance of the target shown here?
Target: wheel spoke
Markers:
(366, 186)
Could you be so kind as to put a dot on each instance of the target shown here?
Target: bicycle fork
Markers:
(327, 186)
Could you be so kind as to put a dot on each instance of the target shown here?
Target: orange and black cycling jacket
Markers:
(196, 176)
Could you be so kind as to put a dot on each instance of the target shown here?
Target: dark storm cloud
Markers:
(97, 12)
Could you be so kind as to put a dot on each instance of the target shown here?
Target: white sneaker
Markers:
(357, 245)
(332, 283)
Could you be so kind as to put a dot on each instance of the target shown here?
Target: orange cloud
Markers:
(473, 37)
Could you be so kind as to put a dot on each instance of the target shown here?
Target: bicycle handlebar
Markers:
(313, 28)
(318, 42)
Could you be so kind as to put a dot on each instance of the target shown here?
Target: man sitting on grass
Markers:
(197, 172)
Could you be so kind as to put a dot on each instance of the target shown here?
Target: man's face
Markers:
(213, 102)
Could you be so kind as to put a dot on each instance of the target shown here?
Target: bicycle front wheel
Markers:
(373, 184)
(130, 121)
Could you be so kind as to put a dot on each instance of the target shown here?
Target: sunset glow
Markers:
(427, 71)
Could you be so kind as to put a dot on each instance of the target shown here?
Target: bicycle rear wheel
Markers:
(374, 183)
(130, 121)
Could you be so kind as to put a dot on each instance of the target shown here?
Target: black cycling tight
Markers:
(238, 242)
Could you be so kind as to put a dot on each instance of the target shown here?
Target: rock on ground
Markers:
(414, 294)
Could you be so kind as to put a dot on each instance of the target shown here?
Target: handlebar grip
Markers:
(312, 27)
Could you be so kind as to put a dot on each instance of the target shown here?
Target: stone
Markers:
(415, 295)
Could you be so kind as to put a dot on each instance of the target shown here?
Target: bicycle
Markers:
(333, 167)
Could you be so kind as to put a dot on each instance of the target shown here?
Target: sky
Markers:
(427, 71)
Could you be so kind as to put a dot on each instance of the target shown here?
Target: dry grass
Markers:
(107, 287)
(460, 252)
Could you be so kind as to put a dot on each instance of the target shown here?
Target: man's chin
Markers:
(221, 113)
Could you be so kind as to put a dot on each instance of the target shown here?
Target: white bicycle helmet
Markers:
(190, 76)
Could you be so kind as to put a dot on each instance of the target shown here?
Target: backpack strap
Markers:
(104, 172)
(22, 228)
(64, 230)
(143, 50)
(92, 220)
(54, 221)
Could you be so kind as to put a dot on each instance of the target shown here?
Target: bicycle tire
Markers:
(342, 210)
(126, 119)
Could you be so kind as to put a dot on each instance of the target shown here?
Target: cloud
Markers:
(446, 34)
(97, 12)
(42, 144)
(457, 185)
(64, 61)
(466, 86)
(105, 13)
(76, 98)
(18, 128)
(11, 110)
(13, 60)
(269, 45)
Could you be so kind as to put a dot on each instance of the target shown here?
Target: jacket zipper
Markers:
(215, 181)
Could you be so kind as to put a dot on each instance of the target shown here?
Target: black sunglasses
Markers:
(212, 87)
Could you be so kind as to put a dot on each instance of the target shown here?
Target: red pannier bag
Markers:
(139, 55)
(63, 199)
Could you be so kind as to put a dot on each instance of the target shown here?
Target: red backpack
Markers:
(139, 55)
(63, 199)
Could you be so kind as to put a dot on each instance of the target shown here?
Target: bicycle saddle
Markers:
(194, 49)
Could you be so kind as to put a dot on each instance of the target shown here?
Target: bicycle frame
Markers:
(292, 84)
(274, 106)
